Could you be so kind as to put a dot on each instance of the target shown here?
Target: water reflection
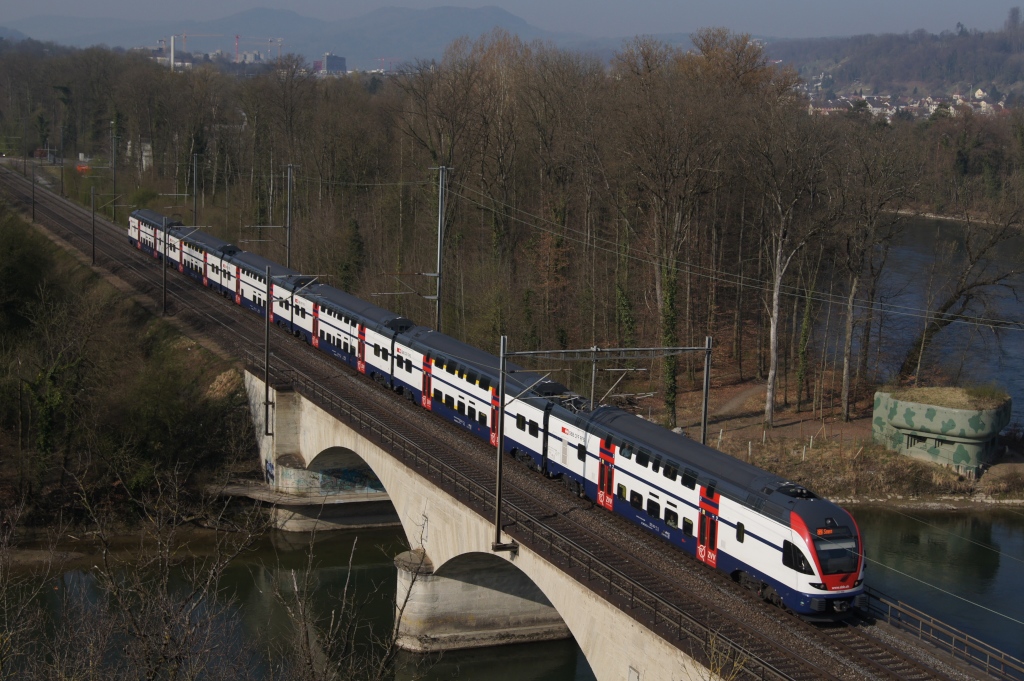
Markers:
(963, 568)
(269, 568)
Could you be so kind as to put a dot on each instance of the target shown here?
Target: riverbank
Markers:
(838, 460)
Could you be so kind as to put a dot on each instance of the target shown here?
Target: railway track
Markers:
(659, 586)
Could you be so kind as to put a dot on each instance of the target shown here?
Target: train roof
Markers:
(258, 264)
(481, 361)
(737, 479)
(152, 217)
(200, 238)
(331, 297)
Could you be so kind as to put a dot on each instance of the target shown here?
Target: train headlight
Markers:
(818, 585)
(858, 582)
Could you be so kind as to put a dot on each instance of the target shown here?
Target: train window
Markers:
(376, 351)
(461, 408)
(450, 400)
(626, 451)
(485, 383)
(621, 492)
(520, 422)
(793, 558)
(711, 491)
(581, 452)
(322, 335)
(643, 458)
(451, 367)
(608, 442)
(689, 478)
(671, 518)
(385, 354)
(472, 412)
(471, 376)
(687, 527)
(740, 532)
(653, 508)
(712, 534)
(437, 394)
(636, 500)
(671, 470)
(482, 418)
(656, 464)
(533, 429)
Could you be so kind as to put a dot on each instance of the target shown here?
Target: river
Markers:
(969, 353)
(962, 568)
(254, 577)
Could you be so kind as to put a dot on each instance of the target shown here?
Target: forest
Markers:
(654, 201)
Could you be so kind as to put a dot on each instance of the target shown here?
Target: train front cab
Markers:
(831, 582)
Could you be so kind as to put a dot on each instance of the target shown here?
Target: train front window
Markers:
(836, 556)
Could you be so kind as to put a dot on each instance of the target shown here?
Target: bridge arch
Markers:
(447, 533)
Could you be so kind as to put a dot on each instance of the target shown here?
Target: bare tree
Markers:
(876, 174)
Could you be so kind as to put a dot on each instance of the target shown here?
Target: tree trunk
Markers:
(773, 336)
(848, 346)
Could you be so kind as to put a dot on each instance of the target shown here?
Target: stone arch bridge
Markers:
(453, 590)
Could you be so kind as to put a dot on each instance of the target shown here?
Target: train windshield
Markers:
(836, 554)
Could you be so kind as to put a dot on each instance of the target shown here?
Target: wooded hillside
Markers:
(673, 196)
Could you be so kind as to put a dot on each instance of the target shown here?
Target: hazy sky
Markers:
(782, 18)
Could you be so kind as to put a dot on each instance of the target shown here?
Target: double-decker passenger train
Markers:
(774, 536)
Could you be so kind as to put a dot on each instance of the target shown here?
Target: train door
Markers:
(206, 269)
(361, 349)
(426, 398)
(495, 406)
(316, 325)
(270, 302)
(181, 256)
(238, 285)
(606, 475)
(707, 526)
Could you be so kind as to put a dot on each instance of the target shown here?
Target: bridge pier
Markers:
(475, 601)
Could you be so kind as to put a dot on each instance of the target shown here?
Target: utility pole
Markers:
(62, 156)
(266, 361)
(707, 391)
(33, 190)
(163, 271)
(497, 545)
(92, 201)
(195, 193)
(288, 223)
(113, 172)
(442, 172)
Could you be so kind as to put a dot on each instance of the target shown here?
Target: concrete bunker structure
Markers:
(963, 439)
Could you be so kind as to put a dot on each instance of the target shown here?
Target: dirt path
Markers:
(734, 407)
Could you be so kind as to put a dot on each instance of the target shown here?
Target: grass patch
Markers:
(860, 470)
(976, 397)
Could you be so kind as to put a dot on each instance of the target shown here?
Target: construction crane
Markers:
(389, 60)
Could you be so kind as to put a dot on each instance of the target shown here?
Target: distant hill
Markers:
(909, 63)
(395, 34)
(11, 34)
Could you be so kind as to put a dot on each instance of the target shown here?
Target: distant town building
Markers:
(330, 65)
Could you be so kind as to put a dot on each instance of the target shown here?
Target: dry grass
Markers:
(860, 470)
(953, 398)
